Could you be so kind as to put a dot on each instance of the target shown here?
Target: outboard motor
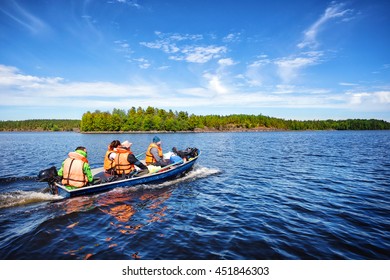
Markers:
(50, 176)
(187, 153)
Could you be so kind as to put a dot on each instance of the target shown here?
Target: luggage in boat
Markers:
(153, 169)
(175, 159)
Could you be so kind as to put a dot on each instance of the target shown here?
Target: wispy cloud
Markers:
(185, 47)
(19, 89)
(289, 67)
(335, 10)
(218, 80)
(284, 70)
(256, 71)
(347, 84)
(123, 46)
(25, 18)
(232, 38)
(370, 98)
(215, 84)
(226, 62)
(131, 3)
(143, 63)
(199, 54)
(11, 77)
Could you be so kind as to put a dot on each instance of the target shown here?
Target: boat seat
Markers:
(105, 177)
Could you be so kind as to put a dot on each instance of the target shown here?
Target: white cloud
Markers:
(226, 62)
(165, 46)
(143, 63)
(232, 37)
(197, 54)
(18, 89)
(376, 97)
(196, 91)
(347, 84)
(215, 84)
(174, 45)
(266, 71)
(10, 76)
(122, 44)
(131, 3)
(289, 67)
(335, 10)
(26, 19)
(257, 72)
(383, 96)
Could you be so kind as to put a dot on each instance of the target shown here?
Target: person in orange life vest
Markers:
(154, 153)
(75, 170)
(109, 163)
(125, 161)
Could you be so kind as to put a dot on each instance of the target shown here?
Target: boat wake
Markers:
(197, 173)
(15, 179)
(18, 198)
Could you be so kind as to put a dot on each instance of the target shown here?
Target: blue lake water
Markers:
(255, 195)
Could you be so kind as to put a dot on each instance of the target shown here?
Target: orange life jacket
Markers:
(149, 159)
(73, 171)
(108, 163)
(122, 165)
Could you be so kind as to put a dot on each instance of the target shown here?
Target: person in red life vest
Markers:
(154, 153)
(75, 170)
(109, 163)
(125, 161)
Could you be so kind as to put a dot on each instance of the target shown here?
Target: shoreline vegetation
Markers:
(153, 120)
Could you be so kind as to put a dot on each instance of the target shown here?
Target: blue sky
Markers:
(290, 59)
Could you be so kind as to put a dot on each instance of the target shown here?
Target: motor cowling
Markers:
(48, 175)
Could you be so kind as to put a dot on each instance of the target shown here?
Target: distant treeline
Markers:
(154, 119)
(40, 125)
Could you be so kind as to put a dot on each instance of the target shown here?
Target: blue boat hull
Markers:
(162, 176)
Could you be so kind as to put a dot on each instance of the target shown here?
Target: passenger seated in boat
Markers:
(109, 163)
(75, 170)
(154, 154)
(125, 161)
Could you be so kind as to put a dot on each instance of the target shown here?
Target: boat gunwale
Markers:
(107, 184)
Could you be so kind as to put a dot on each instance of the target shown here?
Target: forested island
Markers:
(154, 119)
(40, 125)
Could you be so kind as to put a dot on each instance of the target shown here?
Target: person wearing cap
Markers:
(125, 161)
(154, 153)
(75, 170)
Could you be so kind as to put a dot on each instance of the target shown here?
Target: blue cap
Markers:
(156, 139)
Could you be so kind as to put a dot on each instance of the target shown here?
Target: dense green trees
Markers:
(154, 119)
(137, 120)
(40, 125)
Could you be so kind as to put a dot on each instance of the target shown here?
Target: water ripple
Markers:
(276, 195)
